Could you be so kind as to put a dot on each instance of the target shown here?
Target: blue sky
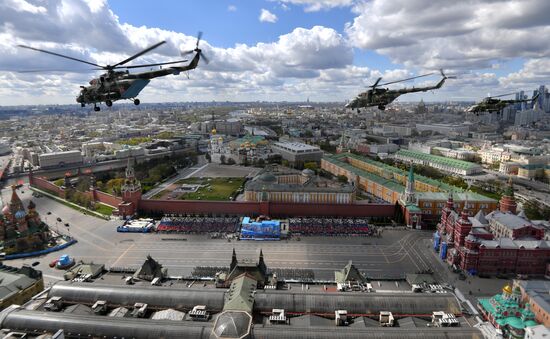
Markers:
(224, 27)
(327, 50)
(227, 23)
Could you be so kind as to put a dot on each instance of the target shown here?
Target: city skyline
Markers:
(278, 50)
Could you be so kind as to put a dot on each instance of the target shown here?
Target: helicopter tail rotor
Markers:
(446, 76)
(197, 49)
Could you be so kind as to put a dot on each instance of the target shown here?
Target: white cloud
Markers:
(274, 70)
(317, 5)
(315, 62)
(533, 73)
(24, 6)
(267, 16)
(231, 8)
(471, 34)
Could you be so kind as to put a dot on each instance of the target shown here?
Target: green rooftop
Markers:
(460, 194)
(240, 296)
(394, 170)
(460, 164)
(499, 306)
(388, 183)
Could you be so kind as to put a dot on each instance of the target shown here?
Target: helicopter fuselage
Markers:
(384, 96)
(102, 90)
(378, 97)
(118, 85)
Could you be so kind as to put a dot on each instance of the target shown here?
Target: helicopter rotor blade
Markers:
(187, 52)
(58, 70)
(199, 37)
(148, 49)
(60, 55)
(502, 95)
(206, 60)
(149, 65)
(375, 83)
(407, 79)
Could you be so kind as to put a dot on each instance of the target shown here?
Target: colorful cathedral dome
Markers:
(20, 214)
(507, 289)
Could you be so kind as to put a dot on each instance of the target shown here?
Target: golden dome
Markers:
(507, 289)
(214, 131)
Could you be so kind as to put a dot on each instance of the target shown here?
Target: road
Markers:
(395, 253)
(59, 172)
(99, 242)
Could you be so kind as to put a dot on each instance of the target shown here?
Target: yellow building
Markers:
(18, 286)
(277, 185)
(388, 183)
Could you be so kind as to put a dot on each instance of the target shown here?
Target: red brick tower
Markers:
(463, 227)
(131, 192)
(508, 203)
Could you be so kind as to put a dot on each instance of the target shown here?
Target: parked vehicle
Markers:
(64, 262)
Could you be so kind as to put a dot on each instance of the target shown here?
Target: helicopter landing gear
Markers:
(136, 102)
(381, 107)
(358, 111)
(82, 104)
(96, 108)
(109, 103)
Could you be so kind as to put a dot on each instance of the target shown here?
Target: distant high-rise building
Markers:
(542, 96)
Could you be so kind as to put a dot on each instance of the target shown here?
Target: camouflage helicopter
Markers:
(117, 84)
(383, 96)
(491, 104)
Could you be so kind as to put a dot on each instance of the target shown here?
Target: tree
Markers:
(165, 135)
(274, 159)
(534, 211)
(230, 161)
(284, 162)
(208, 157)
(311, 165)
(260, 163)
(59, 182)
(83, 184)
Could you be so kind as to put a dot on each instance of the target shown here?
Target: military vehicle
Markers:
(381, 97)
(118, 83)
(492, 104)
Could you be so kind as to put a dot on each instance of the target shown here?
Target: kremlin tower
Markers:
(131, 192)
(508, 203)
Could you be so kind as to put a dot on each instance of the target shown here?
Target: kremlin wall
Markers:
(131, 203)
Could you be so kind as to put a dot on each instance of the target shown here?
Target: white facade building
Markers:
(60, 159)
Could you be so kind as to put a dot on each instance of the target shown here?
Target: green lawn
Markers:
(219, 189)
(103, 209)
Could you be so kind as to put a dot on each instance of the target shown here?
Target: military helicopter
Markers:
(383, 96)
(491, 104)
(117, 84)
